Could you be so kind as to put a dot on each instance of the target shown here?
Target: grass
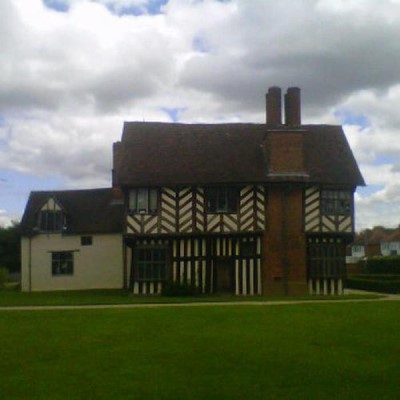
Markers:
(309, 351)
(14, 297)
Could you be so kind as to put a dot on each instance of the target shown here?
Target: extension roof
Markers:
(155, 154)
(87, 211)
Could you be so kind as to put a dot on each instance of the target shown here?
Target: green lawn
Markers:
(13, 297)
(308, 351)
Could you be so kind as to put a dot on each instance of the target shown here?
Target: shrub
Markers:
(383, 265)
(375, 283)
(3, 276)
(177, 289)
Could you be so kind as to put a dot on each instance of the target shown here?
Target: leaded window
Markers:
(151, 263)
(51, 220)
(336, 202)
(222, 200)
(62, 263)
(143, 201)
(326, 257)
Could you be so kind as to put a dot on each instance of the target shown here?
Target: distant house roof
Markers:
(87, 211)
(152, 153)
(377, 235)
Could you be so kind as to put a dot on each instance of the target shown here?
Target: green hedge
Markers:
(376, 277)
(383, 265)
(177, 289)
(375, 283)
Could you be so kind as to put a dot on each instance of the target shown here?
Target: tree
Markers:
(10, 254)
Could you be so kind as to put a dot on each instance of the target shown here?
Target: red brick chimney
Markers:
(274, 107)
(292, 107)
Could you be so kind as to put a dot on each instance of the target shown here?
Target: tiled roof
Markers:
(87, 211)
(177, 154)
(377, 235)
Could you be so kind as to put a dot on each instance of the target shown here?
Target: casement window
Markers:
(62, 263)
(222, 200)
(151, 263)
(336, 202)
(248, 248)
(51, 221)
(143, 201)
(326, 258)
(86, 240)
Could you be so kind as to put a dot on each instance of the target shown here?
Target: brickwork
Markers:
(285, 152)
(285, 269)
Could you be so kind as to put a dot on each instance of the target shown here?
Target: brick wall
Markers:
(285, 268)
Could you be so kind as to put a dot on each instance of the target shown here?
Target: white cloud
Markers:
(5, 219)
(68, 80)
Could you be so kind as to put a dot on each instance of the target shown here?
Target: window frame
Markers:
(248, 248)
(154, 267)
(326, 257)
(54, 224)
(62, 263)
(86, 240)
(225, 199)
(336, 202)
(146, 197)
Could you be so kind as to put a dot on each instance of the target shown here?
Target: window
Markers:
(86, 241)
(51, 221)
(151, 263)
(248, 249)
(326, 257)
(62, 263)
(222, 200)
(143, 201)
(336, 202)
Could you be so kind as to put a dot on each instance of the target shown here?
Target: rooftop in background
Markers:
(377, 235)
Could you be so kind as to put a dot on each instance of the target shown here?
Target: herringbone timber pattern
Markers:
(315, 222)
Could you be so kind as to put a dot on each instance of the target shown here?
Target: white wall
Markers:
(358, 250)
(95, 267)
(390, 248)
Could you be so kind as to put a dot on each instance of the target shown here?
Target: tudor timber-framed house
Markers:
(245, 209)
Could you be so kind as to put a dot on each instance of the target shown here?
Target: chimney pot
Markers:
(293, 107)
(274, 106)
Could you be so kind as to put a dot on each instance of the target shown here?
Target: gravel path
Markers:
(388, 297)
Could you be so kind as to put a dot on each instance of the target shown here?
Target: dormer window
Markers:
(51, 221)
(51, 217)
(143, 201)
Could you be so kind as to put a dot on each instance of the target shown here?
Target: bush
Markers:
(375, 283)
(383, 265)
(3, 277)
(376, 277)
(177, 289)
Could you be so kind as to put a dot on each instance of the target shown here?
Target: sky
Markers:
(72, 71)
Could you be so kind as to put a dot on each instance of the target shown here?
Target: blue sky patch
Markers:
(366, 191)
(174, 113)
(382, 159)
(17, 187)
(57, 5)
(152, 7)
(347, 117)
(200, 44)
